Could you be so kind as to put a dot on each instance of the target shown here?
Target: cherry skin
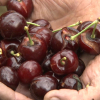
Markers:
(24, 7)
(9, 77)
(44, 32)
(36, 52)
(69, 82)
(80, 69)
(41, 22)
(61, 40)
(9, 45)
(12, 25)
(88, 44)
(41, 85)
(64, 62)
(12, 62)
(29, 70)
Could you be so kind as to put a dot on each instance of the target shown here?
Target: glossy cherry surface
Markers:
(36, 52)
(69, 82)
(41, 85)
(12, 25)
(80, 69)
(41, 22)
(24, 7)
(9, 45)
(61, 40)
(9, 77)
(44, 32)
(66, 66)
(28, 70)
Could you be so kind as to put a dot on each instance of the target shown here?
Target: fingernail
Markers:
(54, 98)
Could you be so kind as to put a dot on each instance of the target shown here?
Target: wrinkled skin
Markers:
(62, 13)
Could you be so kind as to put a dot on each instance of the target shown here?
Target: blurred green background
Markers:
(2, 9)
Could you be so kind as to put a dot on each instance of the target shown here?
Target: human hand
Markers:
(59, 14)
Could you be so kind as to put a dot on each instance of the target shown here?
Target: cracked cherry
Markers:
(12, 25)
(61, 40)
(64, 62)
(24, 7)
(9, 77)
(29, 70)
(41, 85)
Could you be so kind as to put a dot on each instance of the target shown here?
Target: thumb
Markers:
(89, 93)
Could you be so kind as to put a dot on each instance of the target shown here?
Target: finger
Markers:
(90, 93)
(3, 2)
(8, 94)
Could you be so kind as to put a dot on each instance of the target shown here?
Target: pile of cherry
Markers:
(35, 55)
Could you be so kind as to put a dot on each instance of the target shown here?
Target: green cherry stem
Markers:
(26, 29)
(93, 33)
(15, 54)
(62, 61)
(77, 23)
(96, 21)
(30, 23)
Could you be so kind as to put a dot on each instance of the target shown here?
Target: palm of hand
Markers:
(62, 13)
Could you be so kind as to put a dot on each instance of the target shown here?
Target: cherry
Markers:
(9, 77)
(12, 25)
(71, 81)
(41, 22)
(24, 7)
(80, 69)
(88, 44)
(12, 62)
(61, 40)
(9, 45)
(33, 48)
(64, 62)
(28, 70)
(41, 85)
(46, 63)
(44, 32)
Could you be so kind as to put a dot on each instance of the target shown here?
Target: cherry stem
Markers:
(15, 54)
(62, 61)
(30, 23)
(96, 21)
(26, 29)
(93, 33)
(0, 51)
(77, 23)
(75, 77)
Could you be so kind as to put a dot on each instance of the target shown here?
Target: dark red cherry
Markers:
(9, 45)
(61, 40)
(80, 69)
(12, 62)
(41, 85)
(51, 73)
(71, 81)
(28, 70)
(44, 32)
(41, 22)
(46, 63)
(36, 52)
(12, 25)
(64, 62)
(9, 77)
(24, 7)
(88, 44)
